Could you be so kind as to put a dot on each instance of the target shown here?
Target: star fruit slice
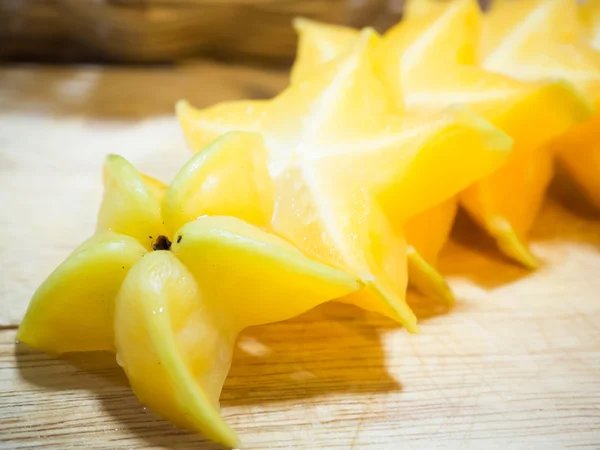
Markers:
(579, 152)
(178, 313)
(173, 314)
(427, 232)
(589, 14)
(535, 40)
(340, 166)
(507, 202)
(579, 149)
(428, 61)
(547, 39)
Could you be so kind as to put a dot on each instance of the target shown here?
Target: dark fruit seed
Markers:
(161, 243)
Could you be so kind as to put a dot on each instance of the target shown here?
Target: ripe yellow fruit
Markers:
(171, 303)
(429, 61)
(589, 14)
(343, 171)
(579, 149)
(541, 39)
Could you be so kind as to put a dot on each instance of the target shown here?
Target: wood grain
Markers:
(516, 365)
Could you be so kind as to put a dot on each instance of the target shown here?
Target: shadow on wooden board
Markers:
(566, 216)
(97, 372)
(333, 349)
(472, 254)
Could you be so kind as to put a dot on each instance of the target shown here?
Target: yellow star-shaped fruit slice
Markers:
(568, 45)
(341, 169)
(589, 13)
(428, 61)
(546, 39)
(540, 39)
(169, 298)
(426, 232)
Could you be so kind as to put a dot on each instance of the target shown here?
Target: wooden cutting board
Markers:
(515, 365)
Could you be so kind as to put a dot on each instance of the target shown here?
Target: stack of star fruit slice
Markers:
(347, 174)
(305, 198)
(171, 277)
(429, 61)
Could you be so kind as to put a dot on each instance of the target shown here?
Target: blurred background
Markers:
(151, 31)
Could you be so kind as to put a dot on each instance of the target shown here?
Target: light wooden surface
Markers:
(515, 365)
